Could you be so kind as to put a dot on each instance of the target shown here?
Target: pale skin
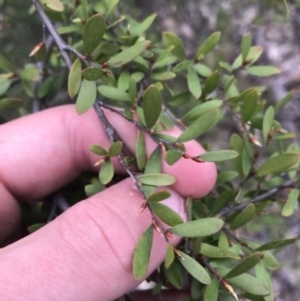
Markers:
(86, 253)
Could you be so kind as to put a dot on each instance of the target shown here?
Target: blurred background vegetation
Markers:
(274, 24)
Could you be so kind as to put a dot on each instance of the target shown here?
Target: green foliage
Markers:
(116, 63)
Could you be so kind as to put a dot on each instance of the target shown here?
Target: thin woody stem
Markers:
(110, 132)
(58, 40)
(260, 198)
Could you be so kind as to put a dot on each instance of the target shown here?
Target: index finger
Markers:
(43, 152)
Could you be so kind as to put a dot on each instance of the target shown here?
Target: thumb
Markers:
(86, 253)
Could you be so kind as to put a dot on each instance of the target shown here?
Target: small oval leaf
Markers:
(208, 45)
(115, 149)
(92, 73)
(245, 265)
(93, 32)
(142, 253)
(193, 82)
(276, 244)
(86, 97)
(277, 163)
(199, 228)
(195, 269)
(113, 93)
(166, 214)
(152, 106)
(98, 150)
(128, 54)
(158, 179)
(262, 71)
(106, 173)
(75, 77)
(199, 126)
(170, 39)
(158, 196)
(244, 217)
(218, 156)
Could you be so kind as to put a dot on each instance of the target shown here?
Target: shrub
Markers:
(108, 61)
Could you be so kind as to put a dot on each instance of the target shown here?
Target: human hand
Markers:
(85, 253)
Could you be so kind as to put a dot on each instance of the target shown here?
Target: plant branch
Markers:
(257, 199)
(58, 40)
(110, 132)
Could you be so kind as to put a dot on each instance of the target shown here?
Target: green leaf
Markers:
(166, 214)
(199, 126)
(123, 80)
(244, 217)
(161, 76)
(92, 73)
(132, 90)
(138, 30)
(74, 80)
(268, 122)
(246, 283)
(245, 45)
(30, 73)
(249, 105)
(175, 275)
(141, 155)
(95, 187)
(283, 101)
(208, 45)
(167, 61)
(218, 156)
(245, 265)
(226, 176)
(35, 227)
(115, 149)
(193, 82)
(277, 163)
(113, 93)
(56, 5)
(172, 156)
(153, 166)
(93, 32)
(215, 252)
(196, 290)
(142, 253)
(202, 70)
(106, 172)
(246, 162)
(152, 106)
(195, 269)
(254, 54)
(199, 110)
(199, 227)
(157, 179)
(10, 103)
(211, 292)
(291, 202)
(158, 196)
(182, 66)
(264, 277)
(170, 39)
(128, 54)
(169, 258)
(276, 244)
(98, 150)
(86, 97)
(211, 82)
(262, 71)
(5, 64)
